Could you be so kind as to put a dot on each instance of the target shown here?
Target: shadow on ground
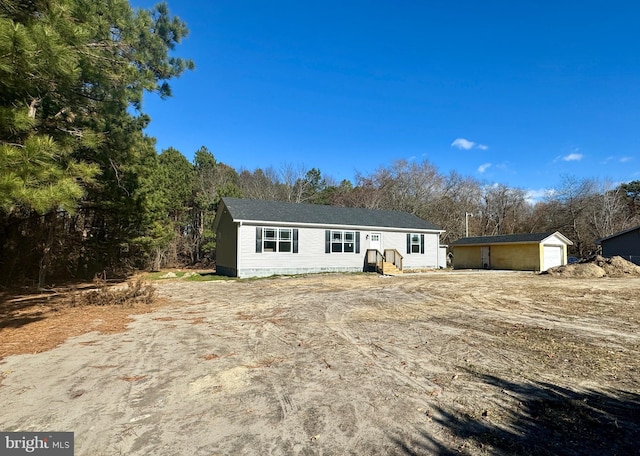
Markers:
(550, 420)
(19, 307)
(20, 311)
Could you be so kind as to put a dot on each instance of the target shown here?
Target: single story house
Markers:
(257, 238)
(522, 252)
(625, 244)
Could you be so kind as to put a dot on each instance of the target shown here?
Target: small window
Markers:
(336, 241)
(415, 243)
(349, 244)
(284, 244)
(270, 240)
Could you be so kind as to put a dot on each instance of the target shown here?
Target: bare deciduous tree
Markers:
(504, 210)
(259, 184)
(607, 210)
(459, 195)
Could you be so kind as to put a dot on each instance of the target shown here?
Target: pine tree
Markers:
(73, 156)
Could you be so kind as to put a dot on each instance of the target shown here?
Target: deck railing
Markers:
(375, 258)
(394, 257)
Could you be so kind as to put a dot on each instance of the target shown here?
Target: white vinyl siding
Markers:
(311, 256)
(428, 259)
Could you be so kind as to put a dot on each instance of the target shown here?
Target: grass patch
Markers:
(206, 277)
(189, 276)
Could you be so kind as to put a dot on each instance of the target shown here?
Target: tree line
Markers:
(584, 210)
(83, 190)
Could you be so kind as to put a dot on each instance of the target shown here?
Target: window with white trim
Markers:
(415, 243)
(276, 240)
(339, 241)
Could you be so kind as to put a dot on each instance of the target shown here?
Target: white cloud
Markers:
(534, 196)
(482, 168)
(465, 144)
(626, 159)
(572, 157)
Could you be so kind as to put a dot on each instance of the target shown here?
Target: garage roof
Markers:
(525, 238)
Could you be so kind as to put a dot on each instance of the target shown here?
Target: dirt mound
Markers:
(581, 270)
(618, 266)
(597, 266)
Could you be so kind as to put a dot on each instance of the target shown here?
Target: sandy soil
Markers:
(435, 363)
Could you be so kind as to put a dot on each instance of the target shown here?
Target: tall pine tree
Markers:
(74, 161)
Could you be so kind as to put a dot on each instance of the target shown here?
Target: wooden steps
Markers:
(376, 261)
(390, 269)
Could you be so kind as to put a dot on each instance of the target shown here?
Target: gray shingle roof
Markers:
(277, 211)
(620, 233)
(503, 239)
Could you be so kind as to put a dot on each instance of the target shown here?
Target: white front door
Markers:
(375, 241)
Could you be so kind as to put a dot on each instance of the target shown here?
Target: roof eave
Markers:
(335, 225)
(219, 211)
(561, 236)
(475, 244)
(598, 241)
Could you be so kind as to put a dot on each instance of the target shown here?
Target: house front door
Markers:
(375, 241)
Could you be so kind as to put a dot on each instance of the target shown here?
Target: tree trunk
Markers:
(49, 225)
(157, 261)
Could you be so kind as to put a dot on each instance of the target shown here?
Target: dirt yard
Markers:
(434, 363)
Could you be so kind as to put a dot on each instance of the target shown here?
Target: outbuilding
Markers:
(522, 252)
(625, 244)
(257, 238)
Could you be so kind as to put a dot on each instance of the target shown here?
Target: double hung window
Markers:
(278, 240)
(415, 243)
(339, 241)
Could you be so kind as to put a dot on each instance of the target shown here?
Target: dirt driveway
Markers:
(435, 363)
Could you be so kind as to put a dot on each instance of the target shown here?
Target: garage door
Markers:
(552, 256)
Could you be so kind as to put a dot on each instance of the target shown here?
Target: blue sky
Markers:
(516, 93)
